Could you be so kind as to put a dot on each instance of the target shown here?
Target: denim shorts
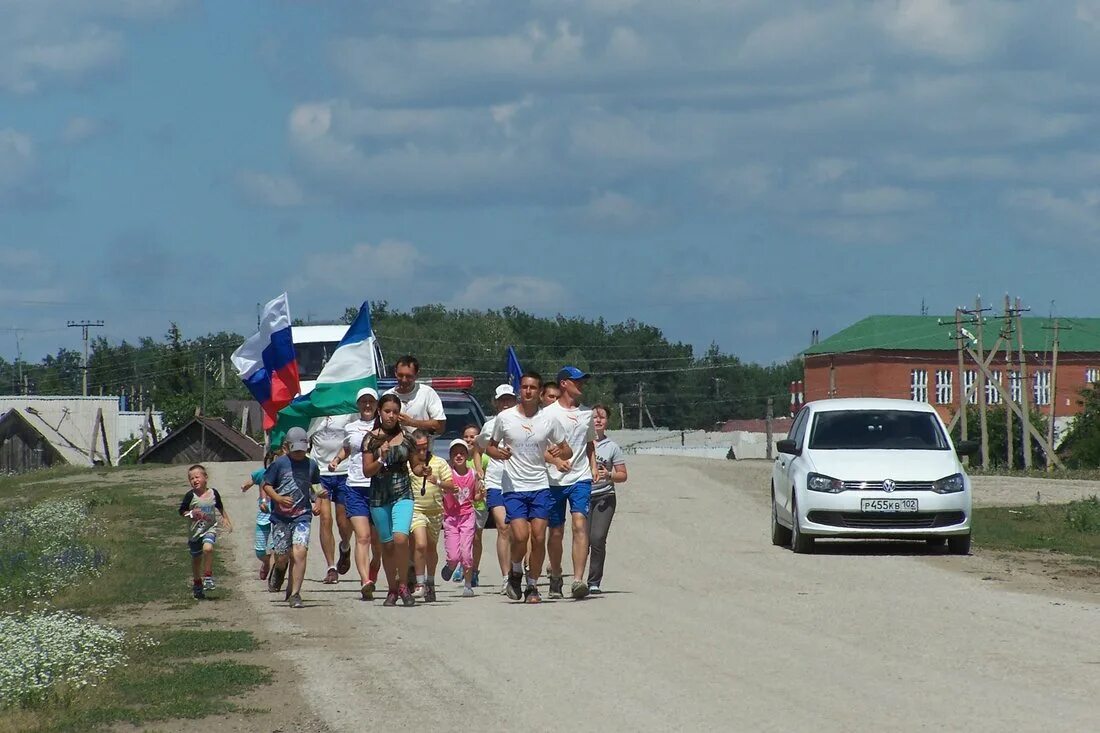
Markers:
(579, 496)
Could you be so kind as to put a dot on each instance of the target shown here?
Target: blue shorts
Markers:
(528, 504)
(579, 496)
(195, 544)
(263, 540)
(357, 501)
(391, 519)
(494, 498)
(335, 485)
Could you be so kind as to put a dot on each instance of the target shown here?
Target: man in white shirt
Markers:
(421, 407)
(521, 439)
(326, 438)
(571, 480)
(503, 398)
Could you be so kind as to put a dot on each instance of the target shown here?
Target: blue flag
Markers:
(514, 369)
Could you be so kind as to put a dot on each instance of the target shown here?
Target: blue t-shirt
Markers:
(296, 480)
(263, 512)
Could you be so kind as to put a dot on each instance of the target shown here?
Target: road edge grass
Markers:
(185, 668)
(1071, 529)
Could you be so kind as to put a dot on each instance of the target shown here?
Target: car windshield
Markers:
(459, 415)
(877, 430)
(312, 357)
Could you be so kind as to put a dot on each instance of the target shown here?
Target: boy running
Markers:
(289, 483)
(202, 505)
(571, 480)
(521, 438)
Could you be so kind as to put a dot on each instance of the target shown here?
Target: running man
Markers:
(571, 480)
(421, 408)
(521, 438)
(549, 394)
(326, 438)
(504, 398)
(289, 483)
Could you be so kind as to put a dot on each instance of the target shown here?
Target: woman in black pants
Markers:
(610, 470)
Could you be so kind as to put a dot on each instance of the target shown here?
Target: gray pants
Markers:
(600, 514)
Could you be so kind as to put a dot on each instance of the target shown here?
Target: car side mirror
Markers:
(966, 447)
(787, 446)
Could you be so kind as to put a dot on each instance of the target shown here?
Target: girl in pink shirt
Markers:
(459, 517)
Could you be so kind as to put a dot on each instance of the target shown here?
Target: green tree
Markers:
(1081, 447)
(996, 429)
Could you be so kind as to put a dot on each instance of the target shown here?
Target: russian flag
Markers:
(266, 361)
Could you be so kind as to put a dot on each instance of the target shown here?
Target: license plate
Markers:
(888, 505)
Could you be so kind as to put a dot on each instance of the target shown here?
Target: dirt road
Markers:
(705, 626)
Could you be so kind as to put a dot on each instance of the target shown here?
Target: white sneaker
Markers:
(418, 594)
(504, 586)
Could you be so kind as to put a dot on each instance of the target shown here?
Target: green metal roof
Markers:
(933, 333)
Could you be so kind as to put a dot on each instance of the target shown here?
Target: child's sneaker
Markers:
(275, 580)
(467, 592)
(531, 595)
(391, 599)
(474, 583)
(556, 585)
(407, 599)
(446, 573)
(263, 571)
(197, 592)
(208, 582)
(420, 591)
(579, 590)
(429, 593)
(296, 601)
(367, 591)
(594, 590)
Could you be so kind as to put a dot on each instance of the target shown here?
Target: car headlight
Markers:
(817, 482)
(950, 485)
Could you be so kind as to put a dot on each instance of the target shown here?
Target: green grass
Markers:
(190, 672)
(1069, 474)
(1071, 529)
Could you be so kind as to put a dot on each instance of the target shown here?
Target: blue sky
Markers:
(736, 172)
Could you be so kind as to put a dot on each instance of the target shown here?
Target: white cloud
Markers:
(1072, 214)
(522, 291)
(22, 179)
(82, 129)
(269, 189)
(378, 270)
(48, 42)
(613, 211)
(883, 200)
(946, 29)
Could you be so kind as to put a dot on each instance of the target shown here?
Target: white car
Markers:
(870, 468)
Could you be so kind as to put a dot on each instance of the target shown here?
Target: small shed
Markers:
(203, 439)
(23, 447)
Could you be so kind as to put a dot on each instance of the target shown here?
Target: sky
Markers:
(741, 173)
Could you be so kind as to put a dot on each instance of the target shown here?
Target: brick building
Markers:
(915, 357)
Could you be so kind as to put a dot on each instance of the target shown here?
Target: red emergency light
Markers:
(456, 383)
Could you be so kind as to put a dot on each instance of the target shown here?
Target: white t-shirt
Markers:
(495, 477)
(326, 436)
(528, 438)
(422, 403)
(354, 432)
(577, 423)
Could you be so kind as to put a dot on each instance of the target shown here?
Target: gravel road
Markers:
(704, 626)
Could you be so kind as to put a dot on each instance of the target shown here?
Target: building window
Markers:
(918, 385)
(1042, 388)
(1016, 387)
(992, 396)
(969, 378)
(1092, 376)
(943, 386)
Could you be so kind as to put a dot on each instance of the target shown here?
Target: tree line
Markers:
(633, 364)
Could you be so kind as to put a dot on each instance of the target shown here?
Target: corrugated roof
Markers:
(67, 421)
(934, 333)
(249, 449)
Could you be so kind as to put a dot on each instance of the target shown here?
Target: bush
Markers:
(1084, 516)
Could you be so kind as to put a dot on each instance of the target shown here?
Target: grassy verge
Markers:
(1069, 474)
(1071, 529)
(101, 550)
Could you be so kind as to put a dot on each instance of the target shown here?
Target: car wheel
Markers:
(936, 541)
(959, 544)
(781, 536)
(800, 543)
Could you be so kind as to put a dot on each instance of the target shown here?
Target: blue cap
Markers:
(571, 372)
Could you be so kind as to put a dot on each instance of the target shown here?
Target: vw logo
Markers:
(889, 485)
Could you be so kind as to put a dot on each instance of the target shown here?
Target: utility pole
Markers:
(963, 394)
(1025, 397)
(768, 416)
(641, 403)
(1053, 394)
(977, 313)
(622, 417)
(84, 326)
(1010, 440)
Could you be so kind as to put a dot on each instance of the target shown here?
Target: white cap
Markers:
(458, 441)
(367, 391)
(502, 390)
